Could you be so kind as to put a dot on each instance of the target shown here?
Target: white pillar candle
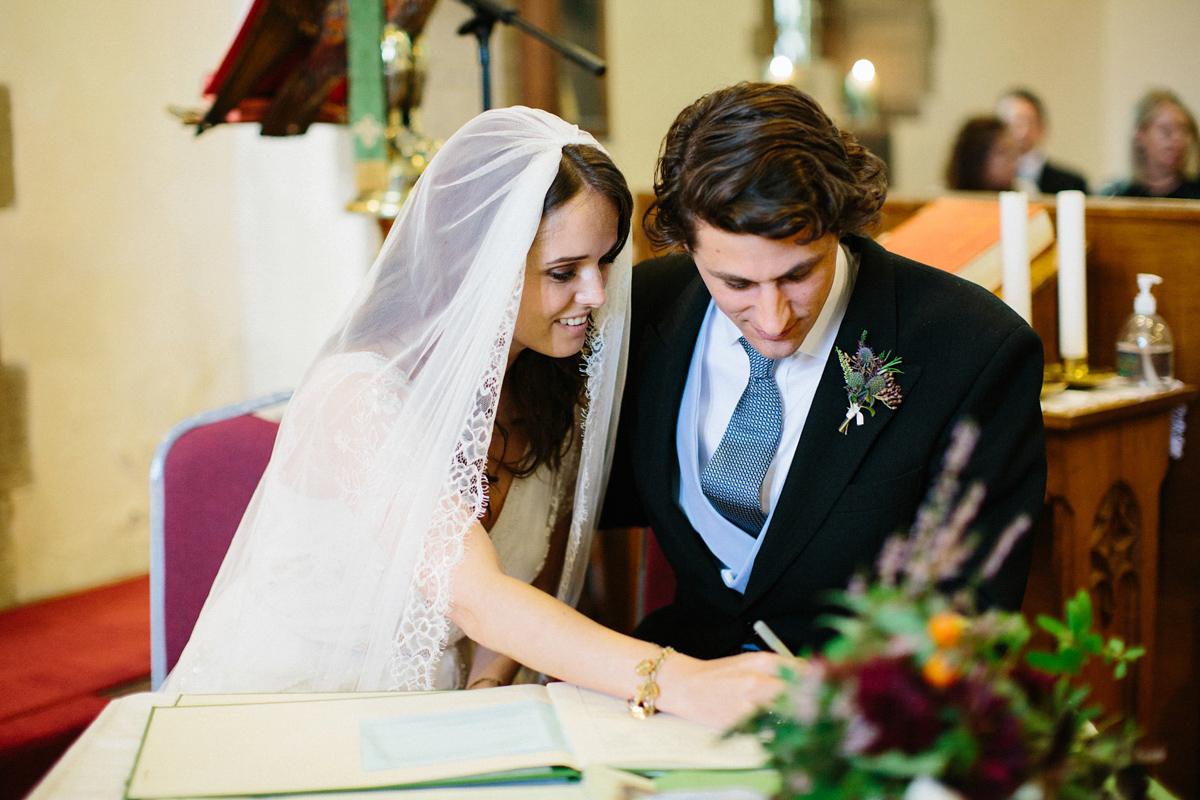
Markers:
(1072, 277)
(1014, 252)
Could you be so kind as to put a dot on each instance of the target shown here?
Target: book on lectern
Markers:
(962, 235)
(229, 745)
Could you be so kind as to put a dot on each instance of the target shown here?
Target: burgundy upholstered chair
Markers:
(657, 580)
(201, 480)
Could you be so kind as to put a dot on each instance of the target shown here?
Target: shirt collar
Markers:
(820, 338)
(1029, 166)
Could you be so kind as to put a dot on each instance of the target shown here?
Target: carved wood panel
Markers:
(1115, 585)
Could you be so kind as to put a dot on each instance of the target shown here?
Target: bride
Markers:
(449, 447)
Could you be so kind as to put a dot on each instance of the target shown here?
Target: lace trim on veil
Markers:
(424, 628)
(593, 368)
(604, 376)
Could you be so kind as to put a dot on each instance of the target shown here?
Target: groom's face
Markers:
(772, 289)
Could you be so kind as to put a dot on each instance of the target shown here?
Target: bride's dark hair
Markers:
(544, 391)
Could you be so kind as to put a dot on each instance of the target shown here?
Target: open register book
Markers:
(217, 746)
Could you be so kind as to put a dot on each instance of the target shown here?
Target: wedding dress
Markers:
(338, 576)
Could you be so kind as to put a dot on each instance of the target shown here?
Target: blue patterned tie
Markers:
(733, 478)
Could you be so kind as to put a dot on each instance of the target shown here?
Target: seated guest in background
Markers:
(1165, 150)
(1025, 116)
(764, 483)
(448, 448)
(984, 157)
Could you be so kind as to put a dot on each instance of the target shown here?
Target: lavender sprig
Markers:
(1004, 545)
(939, 543)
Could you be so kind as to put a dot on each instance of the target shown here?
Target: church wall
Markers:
(146, 273)
(118, 273)
(662, 56)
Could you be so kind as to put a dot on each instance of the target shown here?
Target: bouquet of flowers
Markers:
(920, 695)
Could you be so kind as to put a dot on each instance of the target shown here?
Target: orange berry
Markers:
(945, 628)
(939, 672)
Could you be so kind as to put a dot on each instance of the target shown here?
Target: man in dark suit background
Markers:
(1025, 116)
(736, 396)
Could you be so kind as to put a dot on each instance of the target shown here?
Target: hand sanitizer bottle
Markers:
(1145, 350)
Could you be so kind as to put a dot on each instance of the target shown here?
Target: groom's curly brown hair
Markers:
(762, 159)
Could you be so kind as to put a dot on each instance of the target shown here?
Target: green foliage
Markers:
(1077, 643)
(814, 732)
(916, 682)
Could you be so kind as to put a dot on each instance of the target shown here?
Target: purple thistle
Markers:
(800, 783)
(937, 545)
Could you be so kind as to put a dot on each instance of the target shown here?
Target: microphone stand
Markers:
(488, 13)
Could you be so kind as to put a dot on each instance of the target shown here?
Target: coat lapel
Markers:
(670, 345)
(826, 460)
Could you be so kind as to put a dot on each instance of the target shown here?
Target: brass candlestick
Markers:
(409, 151)
(1072, 373)
(1074, 369)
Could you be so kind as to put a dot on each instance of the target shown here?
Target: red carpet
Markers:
(58, 659)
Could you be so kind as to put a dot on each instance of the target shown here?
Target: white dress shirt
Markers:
(717, 377)
(1029, 171)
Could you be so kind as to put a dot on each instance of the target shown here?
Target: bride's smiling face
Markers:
(565, 275)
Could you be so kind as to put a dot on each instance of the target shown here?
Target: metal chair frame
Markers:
(158, 626)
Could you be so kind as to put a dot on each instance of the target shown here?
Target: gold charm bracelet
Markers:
(642, 704)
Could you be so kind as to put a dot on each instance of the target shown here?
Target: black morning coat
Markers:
(965, 354)
(1054, 179)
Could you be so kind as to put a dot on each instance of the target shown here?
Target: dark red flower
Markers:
(1002, 765)
(894, 698)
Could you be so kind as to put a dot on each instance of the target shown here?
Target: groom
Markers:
(765, 486)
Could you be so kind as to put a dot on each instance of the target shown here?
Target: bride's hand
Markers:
(509, 616)
(720, 692)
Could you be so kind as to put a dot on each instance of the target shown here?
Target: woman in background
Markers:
(984, 157)
(456, 426)
(1165, 150)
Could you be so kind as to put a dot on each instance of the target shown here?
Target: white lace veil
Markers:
(379, 465)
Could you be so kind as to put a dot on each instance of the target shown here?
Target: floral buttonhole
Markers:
(870, 378)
